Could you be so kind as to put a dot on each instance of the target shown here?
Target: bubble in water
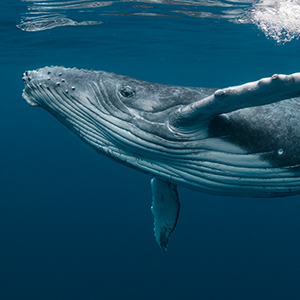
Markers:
(278, 19)
(280, 151)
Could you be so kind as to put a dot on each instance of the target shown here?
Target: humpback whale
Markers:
(236, 141)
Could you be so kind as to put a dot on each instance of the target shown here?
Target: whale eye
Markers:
(127, 91)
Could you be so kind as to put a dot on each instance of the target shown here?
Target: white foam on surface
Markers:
(278, 19)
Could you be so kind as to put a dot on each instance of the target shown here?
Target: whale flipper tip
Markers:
(165, 209)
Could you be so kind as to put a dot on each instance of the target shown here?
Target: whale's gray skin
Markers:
(238, 141)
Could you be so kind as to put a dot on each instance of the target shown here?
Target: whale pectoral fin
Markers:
(165, 209)
(257, 93)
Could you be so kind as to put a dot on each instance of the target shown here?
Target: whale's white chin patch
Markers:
(30, 101)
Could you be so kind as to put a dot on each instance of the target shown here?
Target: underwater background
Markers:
(76, 225)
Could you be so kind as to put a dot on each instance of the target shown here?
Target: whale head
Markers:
(116, 115)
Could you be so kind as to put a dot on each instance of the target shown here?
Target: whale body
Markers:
(236, 141)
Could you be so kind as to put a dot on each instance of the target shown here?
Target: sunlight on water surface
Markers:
(277, 19)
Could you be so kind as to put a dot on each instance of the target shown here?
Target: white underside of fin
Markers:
(165, 209)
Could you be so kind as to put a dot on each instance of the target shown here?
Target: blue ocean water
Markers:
(75, 225)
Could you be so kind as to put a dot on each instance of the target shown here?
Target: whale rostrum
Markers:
(237, 141)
